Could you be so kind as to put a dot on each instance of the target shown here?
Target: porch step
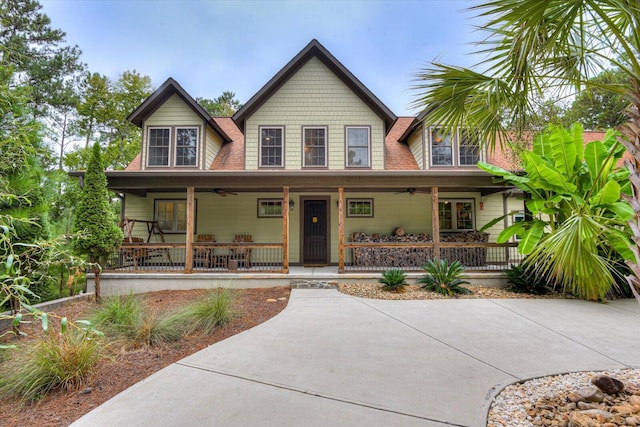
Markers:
(312, 284)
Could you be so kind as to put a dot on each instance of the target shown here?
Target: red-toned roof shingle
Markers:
(231, 154)
(397, 154)
(135, 165)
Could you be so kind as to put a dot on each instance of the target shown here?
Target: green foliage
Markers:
(523, 280)
(443, 277)
(206, 315)
(99, 234)
(129, 319)
(223, 106)
(578, 223)
(56, 361)
(394, 280)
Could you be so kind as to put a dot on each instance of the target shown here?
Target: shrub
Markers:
(207, 314)
(523, 280)
(394, 280)
(56, 361)
(443, 277)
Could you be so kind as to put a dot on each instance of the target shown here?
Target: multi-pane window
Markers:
(271, 147)
(358, 146)
(159, 142)
(171, 215)
(360, 207)
(441, 148)
(456, 215)
(314, 146)
(460, 148)
(173, 146)
(469, 148)
(269, 208)
(186, 146)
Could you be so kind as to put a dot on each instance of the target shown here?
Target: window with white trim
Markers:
(314, 143)
(461, 148)
(172, 146)
(271, 146)
(269, 208)
(171, 215)
(358, 146)
(456, 215)
(360, 208)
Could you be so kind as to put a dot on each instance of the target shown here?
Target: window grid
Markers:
(441, 148)
(171, 215)
(357, 146)
(315, 147)
(360, 207)
(159, 142)
(456, 215)
(186, 146)
(469, 149)
(269, 208)
(271, 147)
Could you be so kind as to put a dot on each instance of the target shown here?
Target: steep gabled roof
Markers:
(231, 155)
(314, 49)
(160, 95)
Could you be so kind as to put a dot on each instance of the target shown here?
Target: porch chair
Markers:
(242, 255)
(202, 255)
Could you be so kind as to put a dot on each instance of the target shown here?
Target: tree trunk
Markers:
(631, 141)
(96, 272)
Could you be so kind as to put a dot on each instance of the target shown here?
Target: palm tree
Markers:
(535, 47)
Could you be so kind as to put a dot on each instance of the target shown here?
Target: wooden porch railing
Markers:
(412, 256)
(220, 257)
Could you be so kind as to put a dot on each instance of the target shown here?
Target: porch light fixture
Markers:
(292, 204)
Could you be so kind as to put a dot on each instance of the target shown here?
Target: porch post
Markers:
(340, 230)
(285, 230)
(188, 258)
(435, 222)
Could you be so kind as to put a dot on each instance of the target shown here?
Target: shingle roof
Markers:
(231, 154)
(135, 165)
(397, 154)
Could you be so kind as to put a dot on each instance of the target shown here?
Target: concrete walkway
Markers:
(334, 360)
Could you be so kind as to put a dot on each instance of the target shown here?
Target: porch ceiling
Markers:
(142, 182)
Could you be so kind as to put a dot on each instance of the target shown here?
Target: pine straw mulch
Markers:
(126, 367)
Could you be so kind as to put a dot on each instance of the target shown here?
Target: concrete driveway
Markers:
(334, 360)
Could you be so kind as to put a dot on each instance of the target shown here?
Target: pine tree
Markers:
(100, 236)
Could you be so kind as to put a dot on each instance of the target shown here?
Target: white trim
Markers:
(454, 217)
(326, 146)
(149, 129)
(346, 146)
(282, 144)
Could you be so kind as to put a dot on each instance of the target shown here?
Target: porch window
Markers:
(358, 146)
(271, 146)
(269, 208)
(360, 207)
(159, 142)
(314, 146)
(171, 215)
(173, 146)
(456, 215)
(460, 148)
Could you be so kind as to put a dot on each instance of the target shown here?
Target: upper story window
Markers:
(457, 149)
(358, 146)
(271, 146)
(172, 146)
(314, 146)
(456, 215)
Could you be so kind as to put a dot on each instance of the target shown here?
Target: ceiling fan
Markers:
(223, 193)
(413, 191)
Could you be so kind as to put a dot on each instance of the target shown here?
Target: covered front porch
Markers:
(246, 224)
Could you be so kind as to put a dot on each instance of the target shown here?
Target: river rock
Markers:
(591, 394)
(608, 384)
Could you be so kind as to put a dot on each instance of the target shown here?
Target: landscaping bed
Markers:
(125, 367)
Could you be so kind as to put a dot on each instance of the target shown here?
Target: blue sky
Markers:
(213, 46)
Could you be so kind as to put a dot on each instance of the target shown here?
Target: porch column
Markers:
(435, 222)
(340, 230)
(285, 230)
(188, 258)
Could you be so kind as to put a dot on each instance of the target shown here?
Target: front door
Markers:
(314, 232)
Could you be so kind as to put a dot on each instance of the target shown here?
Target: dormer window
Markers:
(172, 146)
(272, 146)
(358, 146)
(458, 149)
(314, 146)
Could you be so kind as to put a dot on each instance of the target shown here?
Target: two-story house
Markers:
(313, 170)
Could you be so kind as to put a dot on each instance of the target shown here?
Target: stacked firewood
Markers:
(416, 257)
